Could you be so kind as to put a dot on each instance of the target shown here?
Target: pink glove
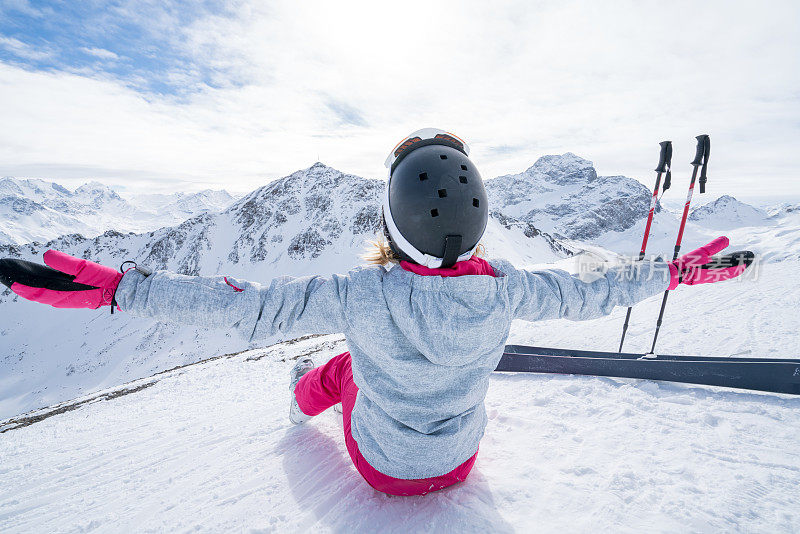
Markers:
(71, 283)
(700, 266)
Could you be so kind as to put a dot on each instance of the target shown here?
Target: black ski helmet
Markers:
(435, 209)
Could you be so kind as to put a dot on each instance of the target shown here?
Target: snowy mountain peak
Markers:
(318, 181)
(96, 190)
(181, 205)
(32, 188)
(784, 209)
(563, 169)
(324, 172)
(563, 195)
(312, 208)
(727, 212)
(212, 193)
(725, 200)
(9, 185)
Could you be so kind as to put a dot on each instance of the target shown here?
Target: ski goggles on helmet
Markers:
(420, 138)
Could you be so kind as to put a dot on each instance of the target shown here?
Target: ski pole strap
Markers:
(133, 265)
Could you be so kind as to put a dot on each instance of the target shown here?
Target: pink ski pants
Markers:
(332, 383)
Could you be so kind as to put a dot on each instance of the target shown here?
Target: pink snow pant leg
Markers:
(332, 383)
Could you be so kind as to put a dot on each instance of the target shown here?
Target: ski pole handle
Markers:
(706, 155)
(701, 159)
(665, 163)
(701, 150)
(665, 158)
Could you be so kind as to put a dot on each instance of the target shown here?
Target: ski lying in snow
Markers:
(544, 351)
(760, 374)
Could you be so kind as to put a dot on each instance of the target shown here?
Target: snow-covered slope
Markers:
(783, 209)
(564, 196)
(314, 221)
(727, 212)
(36, 210)
(773, 239)
(181, 206)
(209, 447)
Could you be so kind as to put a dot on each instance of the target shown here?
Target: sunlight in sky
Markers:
(194, 94)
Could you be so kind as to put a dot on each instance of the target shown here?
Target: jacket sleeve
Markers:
(554, 293)
(307, 305)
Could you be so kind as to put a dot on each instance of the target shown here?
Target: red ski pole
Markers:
(664, 164)
(700, 162)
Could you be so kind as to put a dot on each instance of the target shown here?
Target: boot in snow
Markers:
(302, 366)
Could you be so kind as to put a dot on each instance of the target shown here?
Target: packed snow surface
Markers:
(209, 447)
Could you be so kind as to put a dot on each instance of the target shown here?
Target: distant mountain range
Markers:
(37, 210)
(314, 221)
(727, 212)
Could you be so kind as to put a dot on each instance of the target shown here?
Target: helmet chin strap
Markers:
(452, 245)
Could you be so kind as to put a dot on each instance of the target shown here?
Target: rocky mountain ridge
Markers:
(564, 196)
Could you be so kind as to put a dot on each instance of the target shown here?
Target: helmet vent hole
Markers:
(423, 176)
(476, 203)
(442, 156)
(462, 179)
(434, 212)
(464, 168)
(442, 193)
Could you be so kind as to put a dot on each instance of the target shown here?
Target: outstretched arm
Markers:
(554, 293)
(307, 305)
(287, 305)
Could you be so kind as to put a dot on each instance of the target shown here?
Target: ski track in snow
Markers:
(209, 447)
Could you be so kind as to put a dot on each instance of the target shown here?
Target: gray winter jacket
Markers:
(422, 347)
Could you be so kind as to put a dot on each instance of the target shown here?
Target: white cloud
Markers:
(23, 50)
(101, 53)
(301, 81)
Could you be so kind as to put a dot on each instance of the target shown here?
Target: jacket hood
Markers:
(447, 318)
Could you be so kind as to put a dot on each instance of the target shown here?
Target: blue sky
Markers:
(165, 95)
(137, 43)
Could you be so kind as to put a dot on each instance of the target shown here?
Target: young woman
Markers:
(425, 328)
